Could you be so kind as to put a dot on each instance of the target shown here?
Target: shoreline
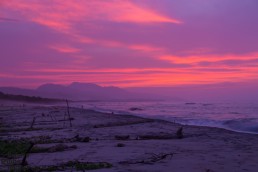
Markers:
(147, 117)
(63, 104)
(125, 142)
(133, 115)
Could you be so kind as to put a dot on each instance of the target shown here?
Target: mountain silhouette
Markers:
(79, 91)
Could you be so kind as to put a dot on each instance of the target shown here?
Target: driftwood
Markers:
(150, 160)
(120, 145)
(122, 137)
(56, 148)
(47, 139)
(162, 136)
(70, 166)
(77, 138)
(155, 137)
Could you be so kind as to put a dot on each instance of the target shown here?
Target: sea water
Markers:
(238, 117)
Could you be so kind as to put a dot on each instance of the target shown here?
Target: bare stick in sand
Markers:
(179, 133)
(64, 119)
(24, 162)
(68, 112)
(32, 123)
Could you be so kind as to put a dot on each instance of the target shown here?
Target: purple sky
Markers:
(128, 43)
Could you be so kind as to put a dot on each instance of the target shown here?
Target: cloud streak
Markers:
(64, 48)
(60, 14)
(227, 59)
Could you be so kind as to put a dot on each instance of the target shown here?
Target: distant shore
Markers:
(92, 140)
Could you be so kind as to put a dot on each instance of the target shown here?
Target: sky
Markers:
(128, 43)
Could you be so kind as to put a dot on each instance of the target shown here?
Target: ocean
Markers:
(237, 117)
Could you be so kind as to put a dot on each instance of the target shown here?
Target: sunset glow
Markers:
(129, 43)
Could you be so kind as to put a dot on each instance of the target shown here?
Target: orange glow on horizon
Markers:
(152, 76)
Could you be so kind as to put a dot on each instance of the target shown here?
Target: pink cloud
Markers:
(61, 14)
(126, 11)
(146, 48)
(64, 48)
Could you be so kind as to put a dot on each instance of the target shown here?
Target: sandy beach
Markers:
(119, 143)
